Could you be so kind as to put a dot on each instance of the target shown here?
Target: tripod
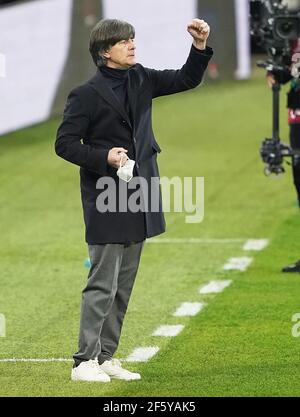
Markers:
(275, 113)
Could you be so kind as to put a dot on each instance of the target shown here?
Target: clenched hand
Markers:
(199, 30)
(117, 156)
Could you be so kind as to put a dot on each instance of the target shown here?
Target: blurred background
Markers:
(44, 46)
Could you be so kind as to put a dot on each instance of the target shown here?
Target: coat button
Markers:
(124, 121)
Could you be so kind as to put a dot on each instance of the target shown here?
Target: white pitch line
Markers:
(188, 309)
(215, 286)
(168, 330)
(256, 244)
(142, 354)
(240, 264)
(195, 240)
(185, 309)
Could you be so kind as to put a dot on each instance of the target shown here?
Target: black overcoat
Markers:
(94, 121)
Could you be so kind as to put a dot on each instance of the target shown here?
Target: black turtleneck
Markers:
(117, 80)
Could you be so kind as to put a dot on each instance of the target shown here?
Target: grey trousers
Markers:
(105, 299)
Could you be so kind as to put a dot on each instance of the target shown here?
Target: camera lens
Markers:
(286, 27)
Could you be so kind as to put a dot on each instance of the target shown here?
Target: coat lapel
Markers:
(132, 96)
(99, 84)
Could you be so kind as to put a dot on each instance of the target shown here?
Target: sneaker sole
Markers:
(125, 379)
(75, 378)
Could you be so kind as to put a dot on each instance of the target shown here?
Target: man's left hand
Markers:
(199, 30)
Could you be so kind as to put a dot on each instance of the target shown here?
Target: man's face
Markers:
(121, 55)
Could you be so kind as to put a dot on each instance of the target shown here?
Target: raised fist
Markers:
(199, 30)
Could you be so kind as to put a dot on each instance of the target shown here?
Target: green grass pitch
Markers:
(241, 343)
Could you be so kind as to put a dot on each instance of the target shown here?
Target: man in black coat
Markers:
(107, 130)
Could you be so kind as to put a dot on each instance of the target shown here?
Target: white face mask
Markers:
(125, 172)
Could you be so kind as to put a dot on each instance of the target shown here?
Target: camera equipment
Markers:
(272, 152)
(275, 27)
(272, 19)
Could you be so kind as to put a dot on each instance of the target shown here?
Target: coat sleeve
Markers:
(189, 76)
(73, 128)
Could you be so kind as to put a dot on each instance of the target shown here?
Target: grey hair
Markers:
(106, 34)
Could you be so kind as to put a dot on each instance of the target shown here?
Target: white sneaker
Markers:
(89, 371)
(114, 369)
